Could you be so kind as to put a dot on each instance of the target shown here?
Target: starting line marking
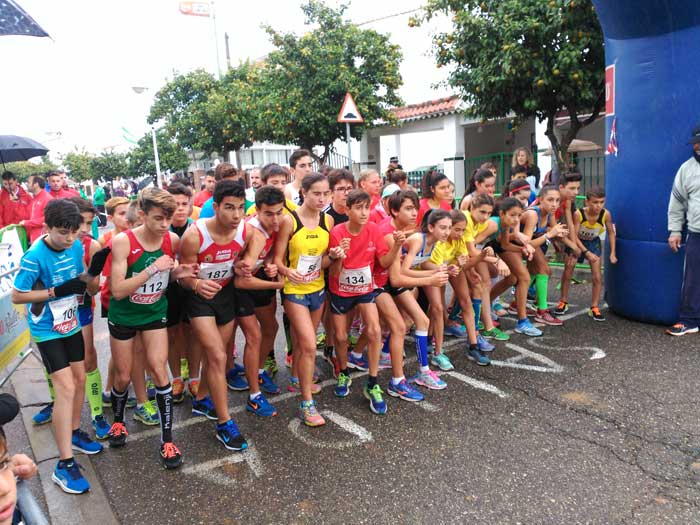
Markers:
(209, 470)
(362, 435)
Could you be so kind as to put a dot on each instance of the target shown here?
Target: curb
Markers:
(89, 508)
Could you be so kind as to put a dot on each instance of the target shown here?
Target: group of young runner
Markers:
(339, 253)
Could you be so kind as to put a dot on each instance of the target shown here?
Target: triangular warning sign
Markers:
(349, 112)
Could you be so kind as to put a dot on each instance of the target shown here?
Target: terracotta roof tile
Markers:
(430, 108)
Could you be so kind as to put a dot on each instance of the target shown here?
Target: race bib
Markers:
(309, 266)
(65, 314)
(355, 281)
(216, 271)
(152, 290)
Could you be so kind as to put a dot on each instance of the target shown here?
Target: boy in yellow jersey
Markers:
(592, 222)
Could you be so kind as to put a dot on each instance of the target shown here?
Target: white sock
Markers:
(253, 396)
(424, 369)
(396, 380)
(356, 355)
(260, 371)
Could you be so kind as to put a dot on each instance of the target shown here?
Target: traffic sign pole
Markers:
(347, 135)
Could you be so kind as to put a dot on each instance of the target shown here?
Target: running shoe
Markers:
(69, 478)
(342, 389)
(267, 385)
(230, 436)
(546, 317)
(595, 314)
(106, 400)
(476, 355)
(101, 427)
(456, 330)
(131, 402)
(260, 406)
(384, 361)
(178, 390)
(376, 401)
(192, 388)
(483, 344)
(442, 362)
(236, 382)
(525, 327)
(496, 334)
(150, 389)
(681, 329)
(480, 326)
(43, 416)
(204, 407)
(184, 369)
(531, 293)
(358, 363)
(320, 340)
(170, 455)
(430, 380)
(355, 331)
(562, 308)
(237, 370)
(271, 365)
(309, 414)
(288, 361)
(81, 442)
(117, 435)
(295, 386)
(529, 310)
(147, 414)
(404, 390)
(498, 310)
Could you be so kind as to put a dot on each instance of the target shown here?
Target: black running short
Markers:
(248, 300)
(176, 295)
(59, 353)
(124, 333)
(222, 307)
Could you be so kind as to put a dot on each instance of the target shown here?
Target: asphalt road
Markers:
(594, 423)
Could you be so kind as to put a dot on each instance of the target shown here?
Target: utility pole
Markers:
(228, 53)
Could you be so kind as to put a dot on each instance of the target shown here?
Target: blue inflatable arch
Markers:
(655, 47)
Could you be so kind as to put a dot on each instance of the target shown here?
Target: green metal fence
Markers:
(591, 167)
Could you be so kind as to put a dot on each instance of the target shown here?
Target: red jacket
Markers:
(14, 210)
(35, 224)
(202, 197)
(64, 193)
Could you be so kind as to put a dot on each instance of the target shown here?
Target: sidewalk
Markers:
(31, 391)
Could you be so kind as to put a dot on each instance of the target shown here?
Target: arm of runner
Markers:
(612, 236)
(281, 245)
(189, 248)
(93, 285)
(254, 246)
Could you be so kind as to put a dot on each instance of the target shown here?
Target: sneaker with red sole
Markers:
(546, 317)
(513, 310)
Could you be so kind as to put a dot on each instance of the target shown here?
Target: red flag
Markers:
(612, 143)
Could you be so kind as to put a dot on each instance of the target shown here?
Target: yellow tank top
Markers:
(589, 231)
(473, 229)
(305, 255)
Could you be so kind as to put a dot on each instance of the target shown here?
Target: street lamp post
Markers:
(159, 176)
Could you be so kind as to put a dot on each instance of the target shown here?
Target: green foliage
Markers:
(203, 113)
(23, 169)
(531, 58)
(142, 161)
(77, 164)
(109, 166)
(301, 85)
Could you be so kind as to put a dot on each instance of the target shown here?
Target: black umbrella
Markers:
(15, 21)
(145, 182)
(14, 148)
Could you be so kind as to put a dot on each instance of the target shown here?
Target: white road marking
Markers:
(597, 352)
(362, 435)
(210, 470)
(550, 366)
(476, 383)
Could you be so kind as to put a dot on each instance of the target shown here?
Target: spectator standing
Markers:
(35, 224)
(98, 200)
(57, 189)
(684, 208)
(523, 157)
(15, 203)
(208, 191)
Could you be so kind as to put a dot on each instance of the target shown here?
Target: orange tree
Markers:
(527, 58)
